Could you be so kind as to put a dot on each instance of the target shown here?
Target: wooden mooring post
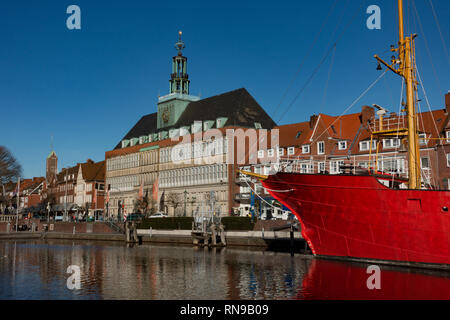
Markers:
(131, 232)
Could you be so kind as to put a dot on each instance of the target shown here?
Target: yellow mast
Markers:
(406, 69)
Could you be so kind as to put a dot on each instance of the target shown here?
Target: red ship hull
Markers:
(351, 216)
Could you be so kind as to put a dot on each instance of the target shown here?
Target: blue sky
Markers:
(88, 87)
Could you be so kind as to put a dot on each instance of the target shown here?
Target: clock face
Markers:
(165, 115)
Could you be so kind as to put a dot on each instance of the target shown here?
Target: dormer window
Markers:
(306, 149)
(423, 139)
(196, 126)
(143, 139)
(208, 124)
(342, 145)
(220, 122)
(258, 125)
(134, 141)
(365, 145)
(280, 151)
(447, 135)
(391, 143)
(125, 143)
(291, 151)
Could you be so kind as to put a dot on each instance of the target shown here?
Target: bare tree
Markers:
(174, 201)
(10, 169)
(146, 205)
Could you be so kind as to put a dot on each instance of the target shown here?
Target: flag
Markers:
(161, 202)
(141, 190)
(155, 190)
(17, 189)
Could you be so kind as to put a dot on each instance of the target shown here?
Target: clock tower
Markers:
(171, 106)
(179, 79)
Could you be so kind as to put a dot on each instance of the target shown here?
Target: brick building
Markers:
(77, 189)
(154, 153)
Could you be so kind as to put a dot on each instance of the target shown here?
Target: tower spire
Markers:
(180, 44)
(179, 79)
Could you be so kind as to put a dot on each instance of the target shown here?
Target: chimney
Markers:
(89, 161)
(367, 115)
(313, 120)
(447, 102)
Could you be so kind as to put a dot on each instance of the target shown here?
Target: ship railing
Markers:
(301, 164)
(387, 124)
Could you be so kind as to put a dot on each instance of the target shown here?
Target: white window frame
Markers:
(306, 148)
(321, 143)
(335, 165)
(421, 162)
(306, 167)
(260, 154)
(270, 153)
(281, 151)
(342, 147)
(319, 169)
(391, 144)
(363, 164)
(448, 159)
(447, 135)
(364, 145)
(291, 151)
(423, 141)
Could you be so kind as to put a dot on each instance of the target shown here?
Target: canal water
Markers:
(111, 270)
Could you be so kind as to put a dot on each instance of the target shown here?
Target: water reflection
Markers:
(342, 280)
(37, 270)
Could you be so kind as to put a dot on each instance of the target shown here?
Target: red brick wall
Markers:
(81, 227)
(3, 226)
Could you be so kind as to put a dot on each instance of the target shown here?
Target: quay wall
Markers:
(63, 227)
(261, 236)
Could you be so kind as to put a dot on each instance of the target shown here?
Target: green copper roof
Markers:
(51, 154)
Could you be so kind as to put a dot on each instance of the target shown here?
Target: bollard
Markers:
(150, 232)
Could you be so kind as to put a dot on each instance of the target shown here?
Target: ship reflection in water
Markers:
(37, 270)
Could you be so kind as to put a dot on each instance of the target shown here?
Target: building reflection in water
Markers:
(37, 270)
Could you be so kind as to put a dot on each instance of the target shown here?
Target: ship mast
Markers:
(405, 67)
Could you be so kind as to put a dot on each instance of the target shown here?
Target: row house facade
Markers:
(328, 144)
(30, 195)
(80, 188)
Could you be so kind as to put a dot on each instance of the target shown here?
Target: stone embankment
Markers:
(263, 234)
